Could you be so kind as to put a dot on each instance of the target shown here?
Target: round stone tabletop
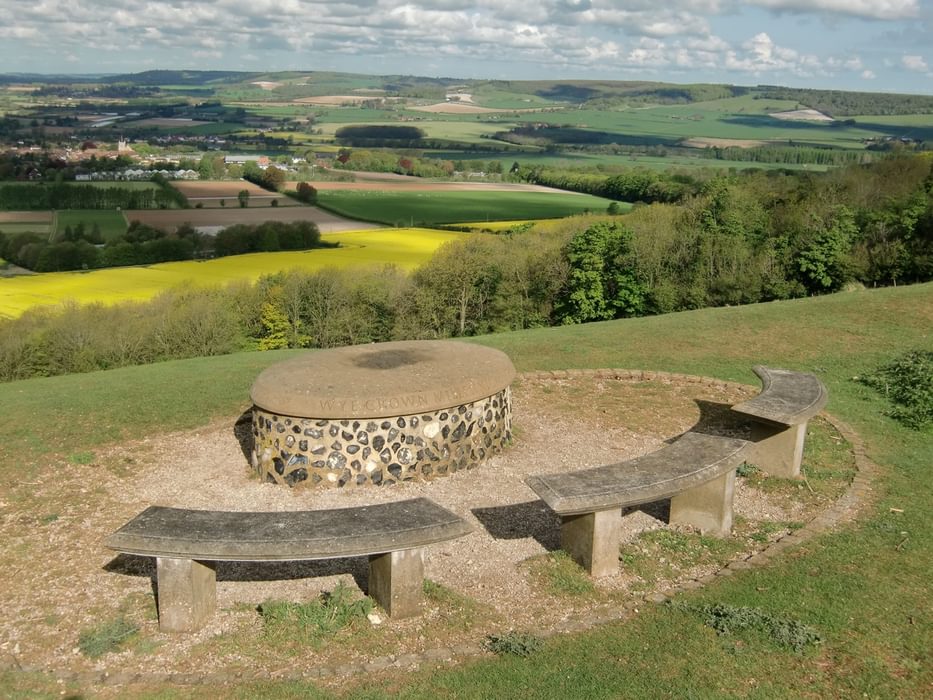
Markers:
(382, 379)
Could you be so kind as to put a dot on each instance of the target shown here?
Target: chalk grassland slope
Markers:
(863, 586)
(407, 248)
(427, 208)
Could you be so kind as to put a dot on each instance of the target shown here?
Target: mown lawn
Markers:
(863, 588)
(429, 208)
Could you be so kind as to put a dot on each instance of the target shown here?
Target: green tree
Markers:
(306, 193)
(825, 263)
(275, 325)
(603, 281)
(243, 198)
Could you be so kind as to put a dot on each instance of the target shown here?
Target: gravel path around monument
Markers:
(64, 581)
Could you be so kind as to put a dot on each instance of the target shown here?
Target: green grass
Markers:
(106, 637)
(11, 229)
(429, 208)
(561, 575)
(112, 224)
(864, 588)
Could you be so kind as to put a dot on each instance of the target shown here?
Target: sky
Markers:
(870, 45)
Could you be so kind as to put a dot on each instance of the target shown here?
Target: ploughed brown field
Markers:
(25, 217)
(219, 188)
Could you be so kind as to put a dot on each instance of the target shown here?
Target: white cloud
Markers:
(915, 63)
(869, 9)
(869, 74)
(612, 38)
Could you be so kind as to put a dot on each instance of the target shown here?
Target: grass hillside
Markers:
(864, 588)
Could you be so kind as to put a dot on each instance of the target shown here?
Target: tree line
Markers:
(41, 196)
(80, 248)
(738, 239)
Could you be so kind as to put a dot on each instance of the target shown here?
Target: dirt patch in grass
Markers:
(60, 583)
(802, 115)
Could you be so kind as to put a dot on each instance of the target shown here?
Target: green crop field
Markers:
(677, 159)
(463, 131)
(406, 248)
(428, 208)
(112, 224)
(669, 125)
(12, 228)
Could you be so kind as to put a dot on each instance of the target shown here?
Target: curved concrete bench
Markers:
(697, 472)
(186, 543)
(788, 400)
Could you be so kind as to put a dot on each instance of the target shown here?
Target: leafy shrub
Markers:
(783, 631)
(106, 637)
(514, 643)
(908, 383)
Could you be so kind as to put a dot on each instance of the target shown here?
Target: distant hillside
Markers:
(181, 77)
(591, 94)
(838, 103)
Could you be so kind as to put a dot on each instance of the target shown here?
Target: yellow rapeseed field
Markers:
(407, 248)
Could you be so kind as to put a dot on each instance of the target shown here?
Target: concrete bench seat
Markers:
(186, 543)
(697, 472)
(788, 400)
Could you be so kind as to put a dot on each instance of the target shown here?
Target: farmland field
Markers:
(407, 248)
(111, 223)
(194, 189)
(233, 214)
(13, 222)
(427, 208)
(463, 131)
(209, 193)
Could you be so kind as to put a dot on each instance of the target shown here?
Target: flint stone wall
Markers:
(382, 413)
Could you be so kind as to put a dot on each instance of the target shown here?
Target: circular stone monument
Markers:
(379, 414)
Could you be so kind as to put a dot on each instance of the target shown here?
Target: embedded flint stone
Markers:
(402, 392)
(788, 400)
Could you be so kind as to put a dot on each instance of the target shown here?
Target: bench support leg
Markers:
(187, 592)
(592, 540)
(707, 507)
(778, 450)
(396, 580)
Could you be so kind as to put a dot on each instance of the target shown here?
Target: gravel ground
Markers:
(57, 579)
